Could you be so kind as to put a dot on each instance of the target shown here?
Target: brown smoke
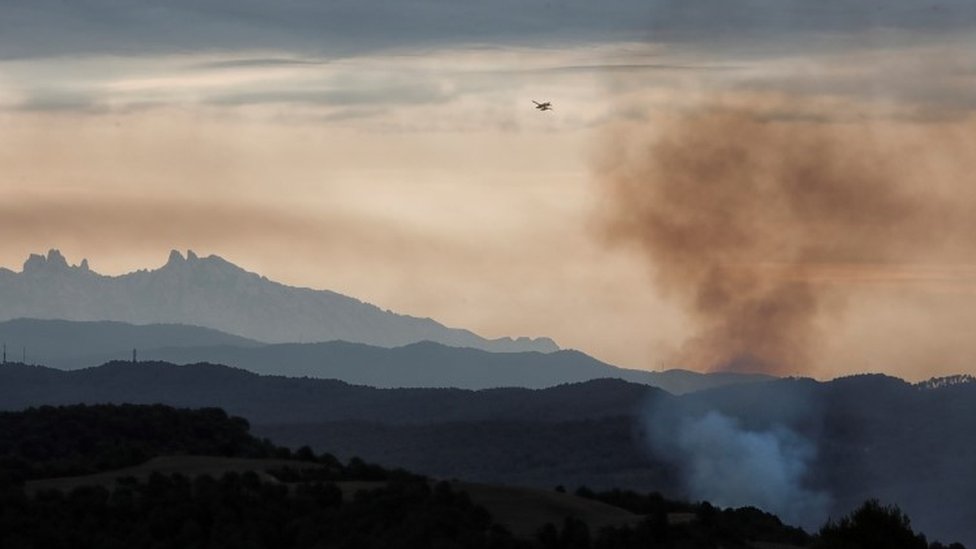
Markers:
(739, 214)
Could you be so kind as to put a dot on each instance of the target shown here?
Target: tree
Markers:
(871, 526)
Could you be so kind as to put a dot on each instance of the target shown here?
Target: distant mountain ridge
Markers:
(214, 293)
(429, 364)
(61, 343)
(71, 345)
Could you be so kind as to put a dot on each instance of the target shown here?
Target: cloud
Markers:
(46, 28)
(918, 81)
(255, 62)
(798, 25)
(55, 100)
(417, 93)
(331, 29)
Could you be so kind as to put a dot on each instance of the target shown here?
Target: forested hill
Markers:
(860, 437)
(316, 501)
(75, 440)
(275, 399)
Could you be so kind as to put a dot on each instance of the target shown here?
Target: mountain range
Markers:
(367, 386)
(214, 293)
(72, 345)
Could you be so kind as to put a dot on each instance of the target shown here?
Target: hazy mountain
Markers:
(423, 364)
(429, 364)
(73, 344)
(60, 343)
(215, 293)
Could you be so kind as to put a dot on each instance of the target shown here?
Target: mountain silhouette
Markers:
(276, 399)
(71, 345)
(214, 293)
(429, 364)
(67, 343)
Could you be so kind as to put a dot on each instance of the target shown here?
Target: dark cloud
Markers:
(343, 27)
(330, 29)
(56, 100)
(257, 63)
(829, 23)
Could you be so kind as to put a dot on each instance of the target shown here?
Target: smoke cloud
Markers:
(734, 449)
(729, 466)
(743, 213)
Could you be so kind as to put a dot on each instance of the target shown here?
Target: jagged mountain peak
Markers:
(193, 261)
(54, 261)
(175, 259)
(215, 293)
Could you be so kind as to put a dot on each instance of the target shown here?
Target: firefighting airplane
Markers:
(547, 106)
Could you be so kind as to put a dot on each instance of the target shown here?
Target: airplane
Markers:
(547, 106)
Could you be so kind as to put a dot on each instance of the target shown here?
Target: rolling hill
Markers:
(277, 399)
(850, 439)
(130, 475)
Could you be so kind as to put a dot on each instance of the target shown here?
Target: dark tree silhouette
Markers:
(871, 526)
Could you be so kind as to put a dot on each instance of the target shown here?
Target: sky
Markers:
(390, 151)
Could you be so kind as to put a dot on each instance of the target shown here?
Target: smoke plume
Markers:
(729, 466)
(744, 215)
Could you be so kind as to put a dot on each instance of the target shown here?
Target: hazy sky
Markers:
(390, 151)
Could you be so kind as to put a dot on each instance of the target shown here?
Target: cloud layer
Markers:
(345, 27)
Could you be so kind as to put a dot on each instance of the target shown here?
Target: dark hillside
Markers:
(600, 453)
(64, 441)
(858, 438)
(315, 501)
(272, 399)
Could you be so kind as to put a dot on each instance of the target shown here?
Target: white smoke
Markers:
(730, 466)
